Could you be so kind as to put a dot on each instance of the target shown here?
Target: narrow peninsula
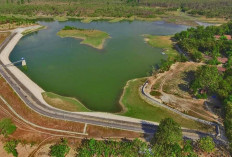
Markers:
(94, 38)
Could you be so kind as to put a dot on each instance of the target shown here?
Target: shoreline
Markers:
(85, 19)
(44, 109)
(37, 90)
(4, 57)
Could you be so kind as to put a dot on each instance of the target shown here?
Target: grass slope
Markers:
(94, 38)
(64, 103)
(164, 42)
(137, 107)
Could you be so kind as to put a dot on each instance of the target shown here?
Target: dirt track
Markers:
(168, 83)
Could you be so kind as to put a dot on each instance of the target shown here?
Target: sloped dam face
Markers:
(95, 77)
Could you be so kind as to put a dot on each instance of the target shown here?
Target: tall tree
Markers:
(169, 132)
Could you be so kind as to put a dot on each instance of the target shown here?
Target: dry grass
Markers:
(174, 88)
(3, 36)
(16, 103)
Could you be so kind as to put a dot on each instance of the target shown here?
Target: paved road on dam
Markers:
(122, 123)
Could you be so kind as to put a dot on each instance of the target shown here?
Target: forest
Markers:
(202, 41)
(207, 45)
(116, 8)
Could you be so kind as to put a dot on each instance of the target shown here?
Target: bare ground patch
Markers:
(174, 88)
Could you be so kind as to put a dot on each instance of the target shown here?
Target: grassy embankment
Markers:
(137, 107)
(164, 42)
(28, 31)
(94, 38)
(64, 103)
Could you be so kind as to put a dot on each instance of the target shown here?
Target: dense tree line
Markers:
(17, 21)
(167, 141)
(201, 40)
(117, 8)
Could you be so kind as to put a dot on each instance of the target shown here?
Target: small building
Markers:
(222, 60)
(207, 57)
(221, 69)
(228, 37)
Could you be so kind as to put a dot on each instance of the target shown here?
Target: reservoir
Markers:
(95, 77)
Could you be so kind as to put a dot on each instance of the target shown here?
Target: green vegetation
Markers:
(166, 64)
(214, 42)
(137, 107)
(60, 149)
(155, 93)
(7, 127)
(64, 103)
(206, 144)
(207, 78)
(11, 22)
(169, 132)
(116, 8)
(122, 148)
(168, 138)
(164, 42)
(202, 41)
(167, 142)
(61, 18)
(94, 38)
(28, 31)
(10, 147)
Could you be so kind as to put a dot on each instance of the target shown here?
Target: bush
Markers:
(201, 96)
(69, 28)
(60, 149)
(206, 144)
(155, 93)
(10, 147)
(7, 127)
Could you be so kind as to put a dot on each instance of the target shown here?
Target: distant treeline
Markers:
(18, 21)
(117, 8)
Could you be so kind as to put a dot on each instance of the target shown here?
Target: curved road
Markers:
(31, 101)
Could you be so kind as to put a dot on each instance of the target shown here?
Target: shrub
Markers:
(60, 149)
(10, 147)
(155, 93)
(206, 144)
(69, 28)
(7, 127)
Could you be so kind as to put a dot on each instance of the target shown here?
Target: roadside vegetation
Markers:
(64, 103)
(94, 38)
(214, 46)
(137, 107)
(166, 142)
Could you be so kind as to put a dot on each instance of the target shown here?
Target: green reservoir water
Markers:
(95, 77)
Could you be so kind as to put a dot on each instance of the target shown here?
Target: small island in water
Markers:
(91, 37)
